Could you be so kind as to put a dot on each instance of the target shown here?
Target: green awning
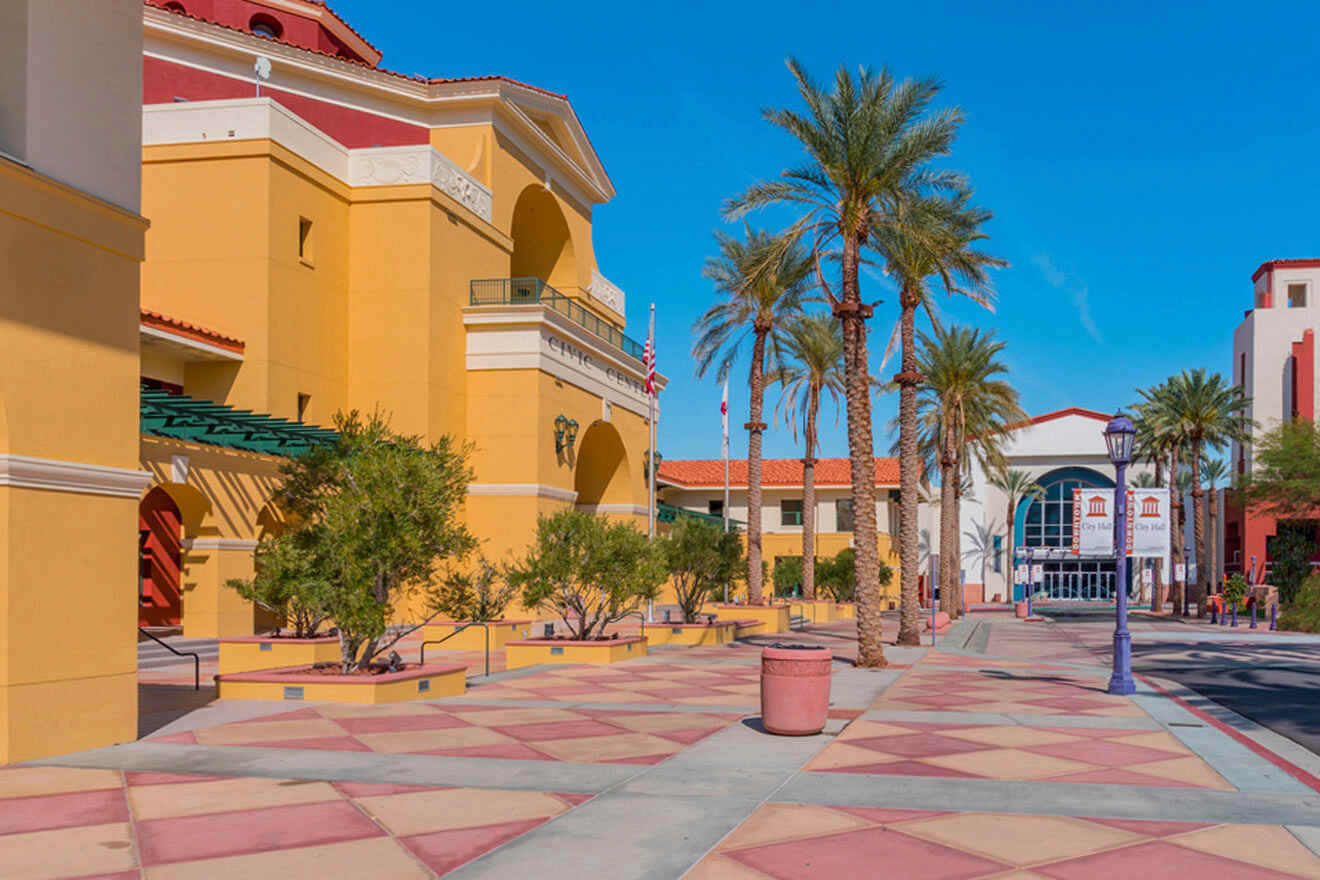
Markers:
(199, 421)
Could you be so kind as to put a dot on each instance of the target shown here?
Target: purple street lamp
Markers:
(1119, 436)
(1031, 583)
(1187, 572)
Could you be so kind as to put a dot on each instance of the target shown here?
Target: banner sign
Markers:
(1037, 573)
(1180, 572)
(1148, 522)
(1020, 574)
(1093, 522)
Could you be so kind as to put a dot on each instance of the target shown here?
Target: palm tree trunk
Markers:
(955, 563)
(947, 527)
(1012, 551)
(909, 466)
(1175, 527)
(755, 427)
(861, 452)
(1198, 531)
(809, 498)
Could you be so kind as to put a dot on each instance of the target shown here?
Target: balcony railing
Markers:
(534, 291)
(667, 513)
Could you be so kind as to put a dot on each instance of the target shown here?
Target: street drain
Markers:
(1184, 724)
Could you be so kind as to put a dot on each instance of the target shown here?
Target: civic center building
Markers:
(311, 233)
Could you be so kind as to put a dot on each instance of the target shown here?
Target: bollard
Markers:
(1223, 614)
(1214, 614)
(1274, 617)
(1234, 614)
(1253, 615)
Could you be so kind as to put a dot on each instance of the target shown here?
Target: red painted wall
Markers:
(1303, 353)
(163, 81)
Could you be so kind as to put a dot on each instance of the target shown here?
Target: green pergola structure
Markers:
(199, 421)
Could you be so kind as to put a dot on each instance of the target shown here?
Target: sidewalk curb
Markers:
(1303, 776)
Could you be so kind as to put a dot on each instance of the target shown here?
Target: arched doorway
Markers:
(160, 539)
(1046, 525)
(601, 472)
(542, 244)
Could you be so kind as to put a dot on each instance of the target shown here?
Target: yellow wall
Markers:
(68, 645)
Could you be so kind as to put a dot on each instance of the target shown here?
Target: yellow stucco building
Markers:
(356, 238)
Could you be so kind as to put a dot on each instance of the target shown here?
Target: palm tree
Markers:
(1017, 486)
(1161, 438)
(1211, 411)
(964, 410)
(761, 281)
(813, 363)
(869, 142)
(1214, 470)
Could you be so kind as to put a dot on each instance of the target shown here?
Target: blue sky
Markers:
(1141, 162)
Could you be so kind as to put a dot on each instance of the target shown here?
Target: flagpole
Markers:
(654, 466)
(724, 424)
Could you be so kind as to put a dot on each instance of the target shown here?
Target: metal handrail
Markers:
(641, 617)
(481, 623)
(534, 291)
(197, 658)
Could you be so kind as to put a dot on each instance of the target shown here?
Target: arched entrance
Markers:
(601, 472)
(1046, 525)
(160, 538)
(542, 244)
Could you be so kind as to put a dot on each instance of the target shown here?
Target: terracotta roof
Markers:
(1298, 263)
(155, 4)
(174, 326)
(774, 472)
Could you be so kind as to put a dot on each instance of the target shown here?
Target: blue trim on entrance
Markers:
(1045, 481)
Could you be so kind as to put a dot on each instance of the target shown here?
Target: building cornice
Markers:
(195, 544)
(27, 472)
(427, 103)
(522, 490)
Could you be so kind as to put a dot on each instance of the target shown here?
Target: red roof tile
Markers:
(176, 327)
(774, 472)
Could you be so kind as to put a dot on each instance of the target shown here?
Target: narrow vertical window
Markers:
(305, 250)
(843, 515)
(999, 553)
(790, 512)
(303, 401)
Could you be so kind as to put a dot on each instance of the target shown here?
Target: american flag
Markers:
(648, 357)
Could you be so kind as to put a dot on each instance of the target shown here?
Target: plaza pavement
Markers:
(997, 753)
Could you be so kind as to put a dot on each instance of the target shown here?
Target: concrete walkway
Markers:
(997, 753)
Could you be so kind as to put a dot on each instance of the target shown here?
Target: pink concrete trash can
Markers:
(1020, 609)
(795, 689)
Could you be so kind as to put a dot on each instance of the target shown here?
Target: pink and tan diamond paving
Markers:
(950, 763)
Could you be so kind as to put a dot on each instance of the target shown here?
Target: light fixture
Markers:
(1120, 434)
(646, 463)
(566, 430)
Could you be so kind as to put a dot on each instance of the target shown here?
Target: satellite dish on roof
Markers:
(262, 67)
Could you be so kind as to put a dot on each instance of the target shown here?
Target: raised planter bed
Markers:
(774, 618)
(304, 683)
(844, 611)
(720, 632)
(813, 610)
(529, 652)
(246, 653)
(474, 637)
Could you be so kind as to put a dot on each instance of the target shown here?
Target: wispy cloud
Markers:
(1081, 296)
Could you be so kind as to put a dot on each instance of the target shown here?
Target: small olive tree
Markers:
(838, 576)
(478, 593)
(700, 558)
(375, 513)
(287, 583)
(787, 575)
(587, 570)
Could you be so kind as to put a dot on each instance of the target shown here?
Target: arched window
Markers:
(266, 26)
(175, 7)
(1049, 520)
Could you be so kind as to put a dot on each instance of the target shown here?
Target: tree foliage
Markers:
(1291, 550)
(375, 513)
(587, 570)
(701, 558)
(288, 583)
(1302, 612)
(479, 593)
(1285, 471)
(787, 576)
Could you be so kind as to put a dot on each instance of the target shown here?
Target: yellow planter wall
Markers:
(245, 655)
(448, 681)
(519, 654)
(773, 617)
(689, 634)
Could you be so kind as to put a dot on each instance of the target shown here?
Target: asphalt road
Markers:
(1276, 684)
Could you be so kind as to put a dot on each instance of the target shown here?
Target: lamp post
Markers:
(1187, 573)
(1031, 582)
(1119, 436)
